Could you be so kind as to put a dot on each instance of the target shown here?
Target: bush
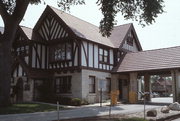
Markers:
(76, 102)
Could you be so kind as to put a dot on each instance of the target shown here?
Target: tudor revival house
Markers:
(68, 54)
(65, 56)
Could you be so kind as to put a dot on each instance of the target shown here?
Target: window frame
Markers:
(93, 85)
(108, 86)
(64, 86)
(57, 54)
(103, 56)
(130, 39)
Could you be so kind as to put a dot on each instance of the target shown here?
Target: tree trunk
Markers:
(5, 71)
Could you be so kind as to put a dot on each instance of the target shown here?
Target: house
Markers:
(64, 56)
(69, 55)
(162, 86)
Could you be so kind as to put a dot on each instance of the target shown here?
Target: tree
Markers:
(12, 12)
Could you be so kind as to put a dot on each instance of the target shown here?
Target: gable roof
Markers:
(82, 28)
(118, 34)
(166, 58)
(27, 31)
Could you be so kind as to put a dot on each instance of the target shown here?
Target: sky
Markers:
(161, 34)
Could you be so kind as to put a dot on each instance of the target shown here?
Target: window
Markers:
(103, 55)
(130, 39)
(108, 85)
(91, 84)
(63, 84)
(119, 55)
(23, 50)
(61, 52)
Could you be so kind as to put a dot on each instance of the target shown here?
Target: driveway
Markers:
(162, 100)
(88, 111)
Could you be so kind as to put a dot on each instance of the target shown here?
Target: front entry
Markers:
(123, 90)
(19, 90)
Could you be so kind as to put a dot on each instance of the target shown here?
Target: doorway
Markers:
(19, 90)
(123, 90)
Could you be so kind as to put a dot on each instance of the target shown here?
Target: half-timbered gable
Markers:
(125, 40)
(50, 27)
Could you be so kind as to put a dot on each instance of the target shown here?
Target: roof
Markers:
(166, 58)
(83, 29)
(118, 34)
(27, 31)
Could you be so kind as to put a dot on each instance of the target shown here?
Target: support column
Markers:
(147, 85)
(133, 88)
(174, 74)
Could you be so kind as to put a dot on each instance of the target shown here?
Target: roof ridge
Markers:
(123, 24)
(84, 20)
(155, 49)
(72, 15)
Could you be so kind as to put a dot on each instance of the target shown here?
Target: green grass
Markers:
(132, 119)
(27, 108)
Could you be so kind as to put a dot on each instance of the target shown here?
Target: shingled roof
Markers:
(83, 29)
(118, 34)
(166, 58)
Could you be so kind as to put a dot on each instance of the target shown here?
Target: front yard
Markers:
(27, 108)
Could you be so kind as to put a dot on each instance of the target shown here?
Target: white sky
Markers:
(163, 33)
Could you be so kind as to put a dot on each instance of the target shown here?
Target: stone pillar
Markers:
(147, 85)
(114, 82)
(175, 89)
(133, 89)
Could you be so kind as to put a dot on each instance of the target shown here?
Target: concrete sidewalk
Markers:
(84, 111)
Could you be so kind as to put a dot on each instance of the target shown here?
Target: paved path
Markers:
(76, 113)
(162, 99)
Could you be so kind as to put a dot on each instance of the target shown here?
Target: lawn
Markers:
(27, 108)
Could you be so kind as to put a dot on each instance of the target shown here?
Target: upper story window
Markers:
(61, 52)
(119, 55)
(23, 50)
(130, 39)
(103, 55)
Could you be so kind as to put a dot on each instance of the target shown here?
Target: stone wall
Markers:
(76, 82)
(93, 97)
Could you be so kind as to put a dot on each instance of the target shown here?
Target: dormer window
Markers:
(130, 39)
(61, 52)
(103, 55)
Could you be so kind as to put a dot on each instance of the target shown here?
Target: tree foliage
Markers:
(144, 11)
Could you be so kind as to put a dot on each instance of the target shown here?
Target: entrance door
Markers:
(19, 90)
(123, 89)
(120, 89)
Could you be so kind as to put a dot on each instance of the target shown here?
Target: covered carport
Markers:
(164, 61)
